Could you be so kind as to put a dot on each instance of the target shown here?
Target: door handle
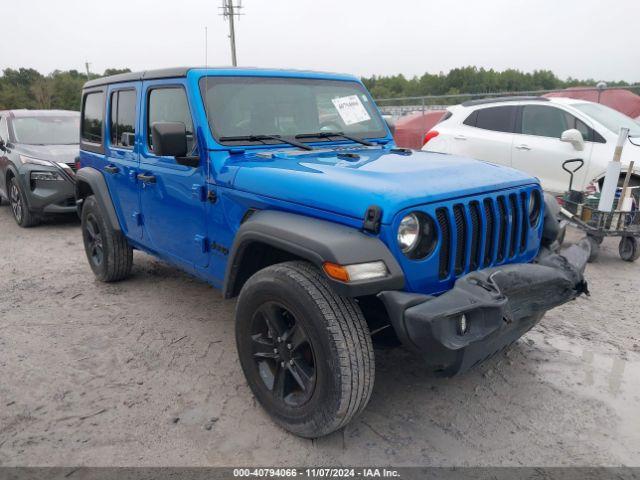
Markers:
(460, 137)
(523, 147)
(146, 178)
(112, 169)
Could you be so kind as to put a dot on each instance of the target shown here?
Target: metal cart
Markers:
(583, 213)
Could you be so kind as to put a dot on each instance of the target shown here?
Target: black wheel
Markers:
(594, 242)
(108, 251)
(19, 206)
(629, 249)
(306, 352)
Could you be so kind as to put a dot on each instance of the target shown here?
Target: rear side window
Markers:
(497, 119)
(169, 105)
(92, 115)
(544, 121)
(123, 118)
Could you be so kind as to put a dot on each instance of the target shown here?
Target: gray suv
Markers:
(38, 154)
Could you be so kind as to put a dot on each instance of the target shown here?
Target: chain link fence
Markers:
(400, 106)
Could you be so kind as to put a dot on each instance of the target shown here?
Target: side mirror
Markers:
(574, 137)
(3, 147)
(169, 139)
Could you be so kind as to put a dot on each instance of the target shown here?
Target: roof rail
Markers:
(483, 101)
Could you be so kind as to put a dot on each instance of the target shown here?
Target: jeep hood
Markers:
(348, 185)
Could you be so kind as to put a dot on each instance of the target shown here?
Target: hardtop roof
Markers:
(177, 72)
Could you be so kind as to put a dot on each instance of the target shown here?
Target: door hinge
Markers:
(137, 218)
(212, 196)
(202, 243)
(199, 192)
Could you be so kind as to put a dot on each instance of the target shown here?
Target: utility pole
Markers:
(229, 10)
(86, 64)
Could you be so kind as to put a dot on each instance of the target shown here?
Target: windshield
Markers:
(609, 118)
(46, 130)
(255, 106)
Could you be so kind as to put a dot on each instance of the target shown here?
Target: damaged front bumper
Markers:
(486, 310)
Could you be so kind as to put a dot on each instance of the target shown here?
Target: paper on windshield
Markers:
(351, 109)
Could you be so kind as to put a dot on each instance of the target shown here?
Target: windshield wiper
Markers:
(259, 138)
(335, 134)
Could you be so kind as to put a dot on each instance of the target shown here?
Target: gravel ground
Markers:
(144, 372)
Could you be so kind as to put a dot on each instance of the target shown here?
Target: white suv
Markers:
(536, 135)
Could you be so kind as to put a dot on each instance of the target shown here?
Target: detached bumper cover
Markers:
(499, 304)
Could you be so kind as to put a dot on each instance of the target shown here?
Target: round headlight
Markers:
(534, 207)
(408, 233)
(416, 235)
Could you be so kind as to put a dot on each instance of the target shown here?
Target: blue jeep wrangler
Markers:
(285, 188)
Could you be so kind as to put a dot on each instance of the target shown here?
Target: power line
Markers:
(229, 11)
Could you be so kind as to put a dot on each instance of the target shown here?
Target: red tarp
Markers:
(622, 100)
(410, 129)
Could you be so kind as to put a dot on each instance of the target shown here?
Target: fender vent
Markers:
(445, 246)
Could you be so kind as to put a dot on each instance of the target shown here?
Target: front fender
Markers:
(94, 180)
(316, 241)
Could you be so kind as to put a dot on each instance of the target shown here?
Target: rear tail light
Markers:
(429, 135)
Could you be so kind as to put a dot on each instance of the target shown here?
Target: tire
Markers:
(331, 350)
(110, 255)
(595, 248)
(629, 249)
(19, 205)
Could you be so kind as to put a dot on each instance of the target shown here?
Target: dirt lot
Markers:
(144, 372)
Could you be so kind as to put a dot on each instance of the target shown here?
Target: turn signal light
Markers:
(356, 271)
(335, 271)
(429, 135)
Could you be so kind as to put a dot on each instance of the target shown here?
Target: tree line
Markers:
(472, 80)
(28, 88)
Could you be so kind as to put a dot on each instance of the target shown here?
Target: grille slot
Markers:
(474, 211)
(502, 228)
(515, 221)
(525, 222)
(461, 238)
(488, 239)
(443, 222)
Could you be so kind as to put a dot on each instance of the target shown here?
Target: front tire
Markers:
(306, 352)
(19, 205)
(110, 255)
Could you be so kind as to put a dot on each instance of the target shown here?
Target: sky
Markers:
(577, 38)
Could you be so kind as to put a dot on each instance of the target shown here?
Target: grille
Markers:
(72, 166)
(479, 234)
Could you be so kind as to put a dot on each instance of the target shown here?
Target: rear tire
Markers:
(332, 347)
(110, 255)
(19, 205)
(629, 249)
